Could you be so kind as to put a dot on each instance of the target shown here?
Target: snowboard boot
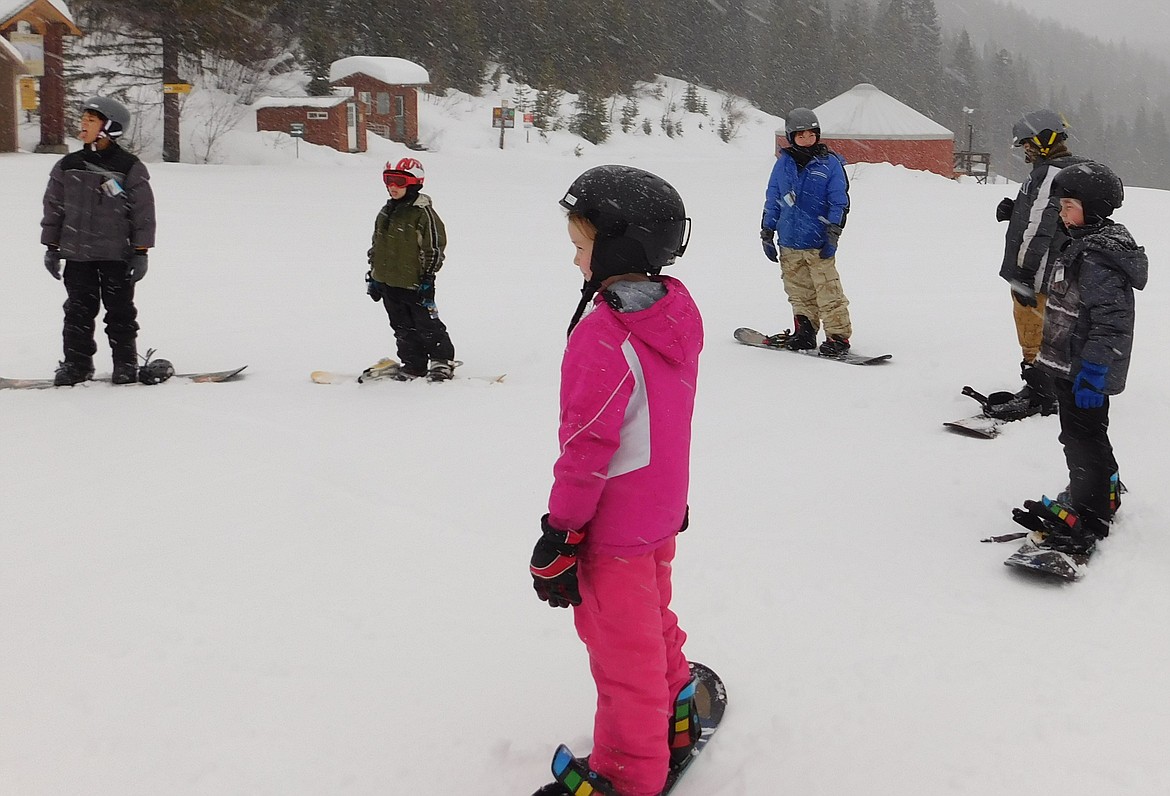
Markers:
(1055, 526)
(574, 777)
(406, 373)
(803, 337)
(1039, 390)
(124, 373)
(835, 346)
(1116, 490)
(73, 371)
(684, 726)
(441, 370)
(1004, 405)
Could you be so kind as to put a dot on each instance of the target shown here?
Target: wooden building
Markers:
(52, 22)
(11, 68)
(337, 122)
(387, 89)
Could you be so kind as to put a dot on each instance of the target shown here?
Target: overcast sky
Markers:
(1138, 21)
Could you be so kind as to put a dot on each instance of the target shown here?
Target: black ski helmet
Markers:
(156, 371)
(1043, 128)
(799, 120)
(115, 114)
(1098, 189)
(630, 206)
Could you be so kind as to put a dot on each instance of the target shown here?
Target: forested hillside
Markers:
(777, 53)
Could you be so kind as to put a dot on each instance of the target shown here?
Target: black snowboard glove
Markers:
(1003, 210)
(136, 265)
(554, 566)
(767, 237)
(372, 289)
(53, 263)
(1024, 295)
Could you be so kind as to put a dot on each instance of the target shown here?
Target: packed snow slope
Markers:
(273, 587)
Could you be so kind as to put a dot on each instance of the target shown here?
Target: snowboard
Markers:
(710, 703)
(1054, 563)
(983, 425)
(42, 384)
(382, 370)
(759, 340)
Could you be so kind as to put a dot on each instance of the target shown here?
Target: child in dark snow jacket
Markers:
(407, 252)
(1088, 336)
(619, 494)
(99, 217)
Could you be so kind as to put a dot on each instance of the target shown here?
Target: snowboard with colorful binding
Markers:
(572, 773)
(760, 340)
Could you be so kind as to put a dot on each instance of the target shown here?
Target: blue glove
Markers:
(827, 251)
(136, 265)
(53, 263)
(1089, 386)
(372, 289)
(767, 237)
(554, 566)
(426, 288)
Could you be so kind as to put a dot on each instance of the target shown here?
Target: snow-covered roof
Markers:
(10, 8)
(865, 111)
(8, 50)
(392, 71)
(298, 102)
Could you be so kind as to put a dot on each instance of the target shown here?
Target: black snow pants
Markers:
(90, 285)
(1084, 433)
(421, 336)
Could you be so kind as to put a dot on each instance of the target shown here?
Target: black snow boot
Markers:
(73, 371)
(1039, 389)
(803, 337)
(125, 365)
(835, 346)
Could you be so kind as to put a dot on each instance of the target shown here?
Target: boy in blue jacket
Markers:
(806, 205)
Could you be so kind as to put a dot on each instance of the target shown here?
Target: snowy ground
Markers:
(274, 587)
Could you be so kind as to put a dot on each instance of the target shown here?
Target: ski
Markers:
(760, 340)
(43, 384)
(384, 370)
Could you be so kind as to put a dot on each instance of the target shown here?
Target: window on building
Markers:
(318, 115)
(383, 103)
(365, 99)
(399, 106)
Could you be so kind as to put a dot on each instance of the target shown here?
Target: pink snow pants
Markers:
(635, 654)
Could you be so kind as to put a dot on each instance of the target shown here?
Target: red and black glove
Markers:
(554, 566)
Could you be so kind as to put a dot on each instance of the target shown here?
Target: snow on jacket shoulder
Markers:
(1090, 313)
(797, 199)
(627, 396)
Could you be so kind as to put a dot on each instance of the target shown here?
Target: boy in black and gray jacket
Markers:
(99, 218)
(1088, 336)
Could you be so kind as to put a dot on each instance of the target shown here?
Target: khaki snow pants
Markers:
(1029, 326)
(814, 290)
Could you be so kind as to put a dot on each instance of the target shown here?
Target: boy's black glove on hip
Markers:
(554, 566)
(53, 263)
(767, 237)
(136, 266)
(1003, 210)
(426, 287)
(372, 287)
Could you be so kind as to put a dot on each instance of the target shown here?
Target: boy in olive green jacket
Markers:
(407, 252)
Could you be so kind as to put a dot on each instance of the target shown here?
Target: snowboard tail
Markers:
(1039, 560)
(760, 340)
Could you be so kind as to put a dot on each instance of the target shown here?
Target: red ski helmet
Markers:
(404, 174)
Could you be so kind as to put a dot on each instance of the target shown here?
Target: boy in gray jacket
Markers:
(1088, 336)
(99, 218)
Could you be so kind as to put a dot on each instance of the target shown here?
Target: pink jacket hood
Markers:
(628, 384)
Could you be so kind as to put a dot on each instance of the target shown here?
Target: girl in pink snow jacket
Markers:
(619, 494)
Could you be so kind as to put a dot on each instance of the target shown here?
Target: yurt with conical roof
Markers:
(867, 125)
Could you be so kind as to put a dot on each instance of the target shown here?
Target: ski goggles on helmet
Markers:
(397, 179)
